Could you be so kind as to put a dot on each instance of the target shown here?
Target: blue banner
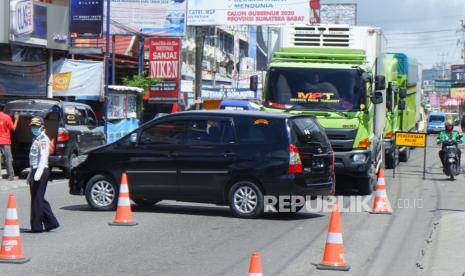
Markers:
(86, 18)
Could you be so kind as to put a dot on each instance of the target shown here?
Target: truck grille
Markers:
(341, 139)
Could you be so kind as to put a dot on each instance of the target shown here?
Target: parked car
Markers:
(239, 105)
(72, 128)
(216, 157)
(436, 122)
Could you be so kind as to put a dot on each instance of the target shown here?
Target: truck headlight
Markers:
(78, 160)
(359, 158)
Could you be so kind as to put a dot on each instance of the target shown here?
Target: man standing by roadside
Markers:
(6, 126)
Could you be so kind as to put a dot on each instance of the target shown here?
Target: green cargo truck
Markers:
(402, 103)
(330, 71)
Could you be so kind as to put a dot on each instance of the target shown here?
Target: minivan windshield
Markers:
(315, 88)
(437, 118)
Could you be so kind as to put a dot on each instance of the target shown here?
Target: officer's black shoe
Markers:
(47, 229)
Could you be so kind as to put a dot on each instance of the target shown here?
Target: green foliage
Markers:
(142, 81)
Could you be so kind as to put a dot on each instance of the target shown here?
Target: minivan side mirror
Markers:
(402, 105)
(253, 85)
(402, 93)
(380, 83)
(377, 98)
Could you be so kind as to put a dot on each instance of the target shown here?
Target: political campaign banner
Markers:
(164, 57)
(154, 17)
(250, 12)
(86, 18)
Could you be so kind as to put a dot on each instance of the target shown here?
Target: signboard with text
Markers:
(164, 57)
(252, 12)
(228, 93)
(410, 139)
(28, 22)
(154, 17)
(457, 93)
(86, 18)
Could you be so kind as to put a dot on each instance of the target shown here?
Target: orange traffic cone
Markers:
(123, 212)
(333, 258)
(381, 203)
(255, 268)
(11, 251)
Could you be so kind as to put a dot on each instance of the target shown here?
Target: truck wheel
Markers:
(389, 160)
(404, 156)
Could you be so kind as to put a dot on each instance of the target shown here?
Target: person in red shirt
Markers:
(6, 126)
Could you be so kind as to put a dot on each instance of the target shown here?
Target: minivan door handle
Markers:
(229, 154)
(173, 154)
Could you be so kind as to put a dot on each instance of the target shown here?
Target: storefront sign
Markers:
(457, 93)
(228, 93)
(28, 22)
(154, 17)
(165, 54)
(22, 17)
(251, 12)
(86, 18)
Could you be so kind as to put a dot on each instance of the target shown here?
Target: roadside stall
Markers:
(123, 111)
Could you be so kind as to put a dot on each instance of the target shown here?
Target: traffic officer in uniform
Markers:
(42, 218)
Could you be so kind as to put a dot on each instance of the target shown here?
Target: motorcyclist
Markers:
(444, 136)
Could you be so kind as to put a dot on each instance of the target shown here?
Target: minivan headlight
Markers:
(359, 158)
(79, 160)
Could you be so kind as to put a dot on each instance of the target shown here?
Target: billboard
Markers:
(251, 12)
(154, 17)
(28, 22)
(457, 93)
(458, 72)
(86, 18)
(165, 57)
(338, 14)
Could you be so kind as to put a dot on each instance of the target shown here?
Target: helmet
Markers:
(449, 126)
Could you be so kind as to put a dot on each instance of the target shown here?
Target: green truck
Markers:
(331, 72)
(402, 103)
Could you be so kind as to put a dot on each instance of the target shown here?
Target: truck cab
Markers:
(402, 103)
(330, 71)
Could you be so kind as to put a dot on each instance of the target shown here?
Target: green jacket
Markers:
(444, 136)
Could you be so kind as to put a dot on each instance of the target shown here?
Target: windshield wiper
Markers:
(335, 110)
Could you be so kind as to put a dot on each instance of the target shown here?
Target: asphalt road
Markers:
(192, 239)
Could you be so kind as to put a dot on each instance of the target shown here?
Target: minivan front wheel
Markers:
(246, 199)
(101, 193)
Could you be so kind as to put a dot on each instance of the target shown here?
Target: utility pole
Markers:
(199, 45)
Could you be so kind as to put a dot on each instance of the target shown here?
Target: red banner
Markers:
(165, 58)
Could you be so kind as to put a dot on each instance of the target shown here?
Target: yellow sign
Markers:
(61, 81)
(457, 93)
(411, 139)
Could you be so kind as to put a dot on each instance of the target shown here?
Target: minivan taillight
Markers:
(63, 135)
(295, 163)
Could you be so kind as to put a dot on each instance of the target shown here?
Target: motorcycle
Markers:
(451, 159)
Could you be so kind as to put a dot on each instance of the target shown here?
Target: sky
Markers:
(423, 29)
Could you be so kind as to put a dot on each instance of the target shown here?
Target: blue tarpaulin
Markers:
(117, 130)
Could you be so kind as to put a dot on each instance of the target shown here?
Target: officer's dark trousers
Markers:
(41, 212)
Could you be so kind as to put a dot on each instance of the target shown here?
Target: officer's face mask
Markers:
(36, 130)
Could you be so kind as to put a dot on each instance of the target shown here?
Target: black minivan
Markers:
(72, 127)
(230, 158)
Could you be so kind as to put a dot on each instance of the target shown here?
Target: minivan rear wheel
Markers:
(246, 199)
(101, 193)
